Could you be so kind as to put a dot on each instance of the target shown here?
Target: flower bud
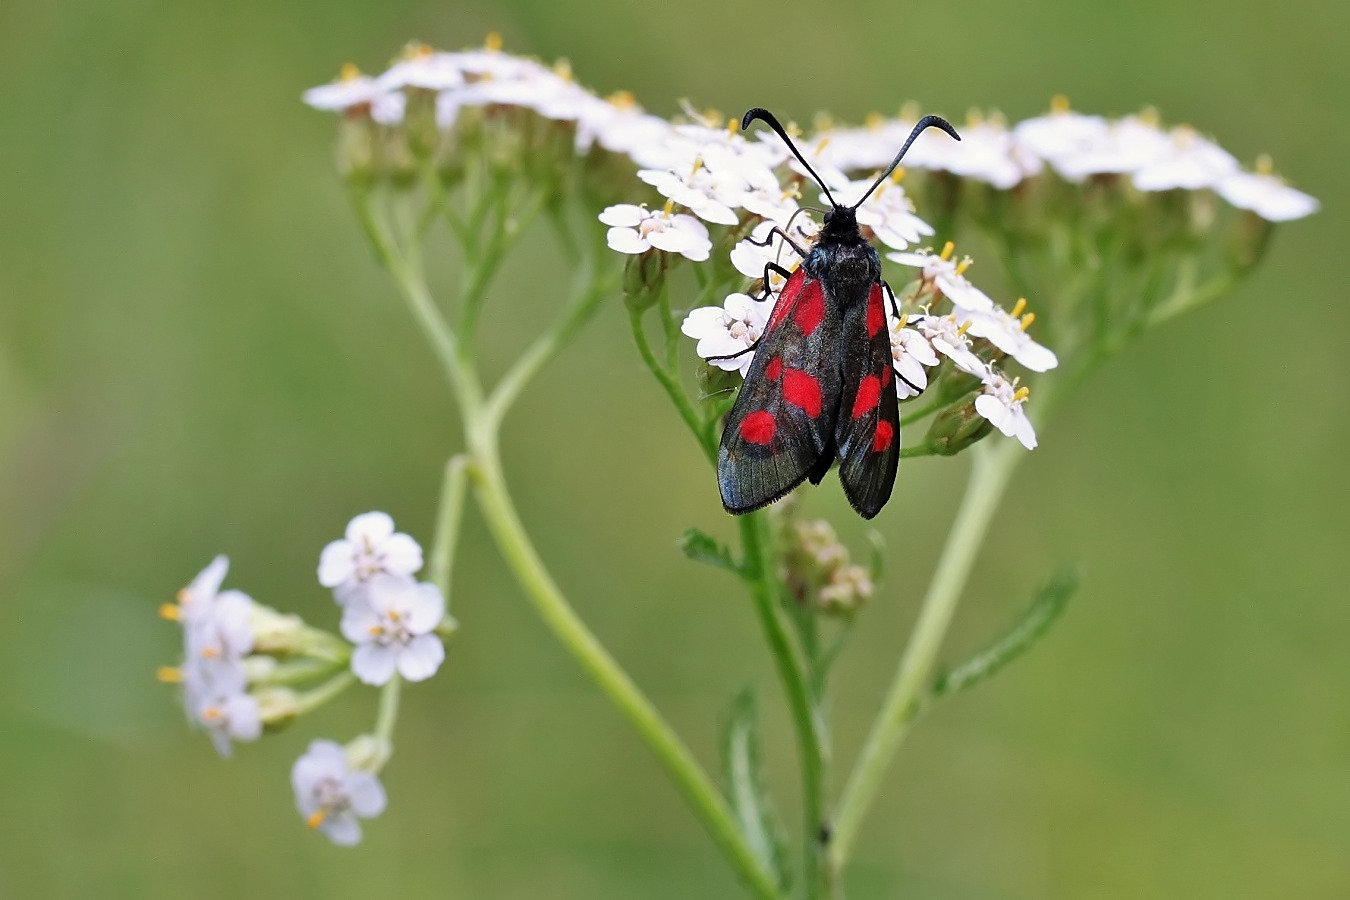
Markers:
(356, 149)
(1248, 240)
(422, 135)
(953, 384)
(717, 387)
(848, 588)
(643, 277)
(368, 753)
(396, 161)
(956, 428)
(276, 633)
(277, 706)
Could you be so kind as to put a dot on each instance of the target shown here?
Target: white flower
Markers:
(1008, 332)
(1127, 145)
(1062, 134)
(221, 706)
(873, 146)
(224, 634)
(370, 548)
(217, 631)
(1001, 403)
(355, 93)
(619, 125)
(1267, 196)
(195, 602)
(728, 330)
(636, 230)
(986, 152)
(391, 623)
(911, 353)
(752, 254)
(331, 795)
(947, 334)
(217, 635)
(1190, 163)
(889, 213)
(719, 180)
(948, 275)
(422, 68)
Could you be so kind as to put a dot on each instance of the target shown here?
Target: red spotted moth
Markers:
(820, 386)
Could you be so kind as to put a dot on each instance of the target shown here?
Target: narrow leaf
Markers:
(1027, 630)
(743, 769)
(701, 548)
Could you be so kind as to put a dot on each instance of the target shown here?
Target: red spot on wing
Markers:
(802, 391)
(884, 436)
(758, 427)
(869, 394)
(876, 311)
(810, 310)
(787, 299)
(886, 376)
(774, 368)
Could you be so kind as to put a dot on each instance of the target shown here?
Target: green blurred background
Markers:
(199, 355)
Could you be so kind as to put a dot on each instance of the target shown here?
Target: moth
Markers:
(820, 388)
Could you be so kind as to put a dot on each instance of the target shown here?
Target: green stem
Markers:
(671, 386)
(312, 700)
(993, 466)
(572, 633)
(759, 573)
(407, 271)
(448, 519)
(388, 714)
(592, 289)
(923, 410)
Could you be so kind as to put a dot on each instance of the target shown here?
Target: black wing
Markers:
(781, 423)
(868, 427)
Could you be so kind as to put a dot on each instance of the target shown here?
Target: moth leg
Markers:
(770, 269)
(750, 349)
(895, 306)
(912, 386)
(768, 239)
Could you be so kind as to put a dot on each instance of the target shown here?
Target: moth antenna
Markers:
(924, 123)
(768, 119)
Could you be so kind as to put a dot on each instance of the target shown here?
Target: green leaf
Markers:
(1027, 630)
(701, 548)
(743, 770)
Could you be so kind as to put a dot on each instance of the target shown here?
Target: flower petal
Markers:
(374, 663)
(420, 659)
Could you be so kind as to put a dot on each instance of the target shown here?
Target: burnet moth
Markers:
(819, 387)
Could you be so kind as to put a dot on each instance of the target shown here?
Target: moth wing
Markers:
(867, 430)
(781, 423)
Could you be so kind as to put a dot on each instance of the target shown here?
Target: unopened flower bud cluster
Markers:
(246, 666)
(818, 571)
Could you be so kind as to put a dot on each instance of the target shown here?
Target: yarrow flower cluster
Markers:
(241, 661)
(1109, 226)
(217, 636)
(386, 613)
(722, 194)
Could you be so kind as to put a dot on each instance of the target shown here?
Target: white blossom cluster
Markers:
(217, 636)
(232, 649)
(386, 613)
(1076, 147)
(711, 174)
